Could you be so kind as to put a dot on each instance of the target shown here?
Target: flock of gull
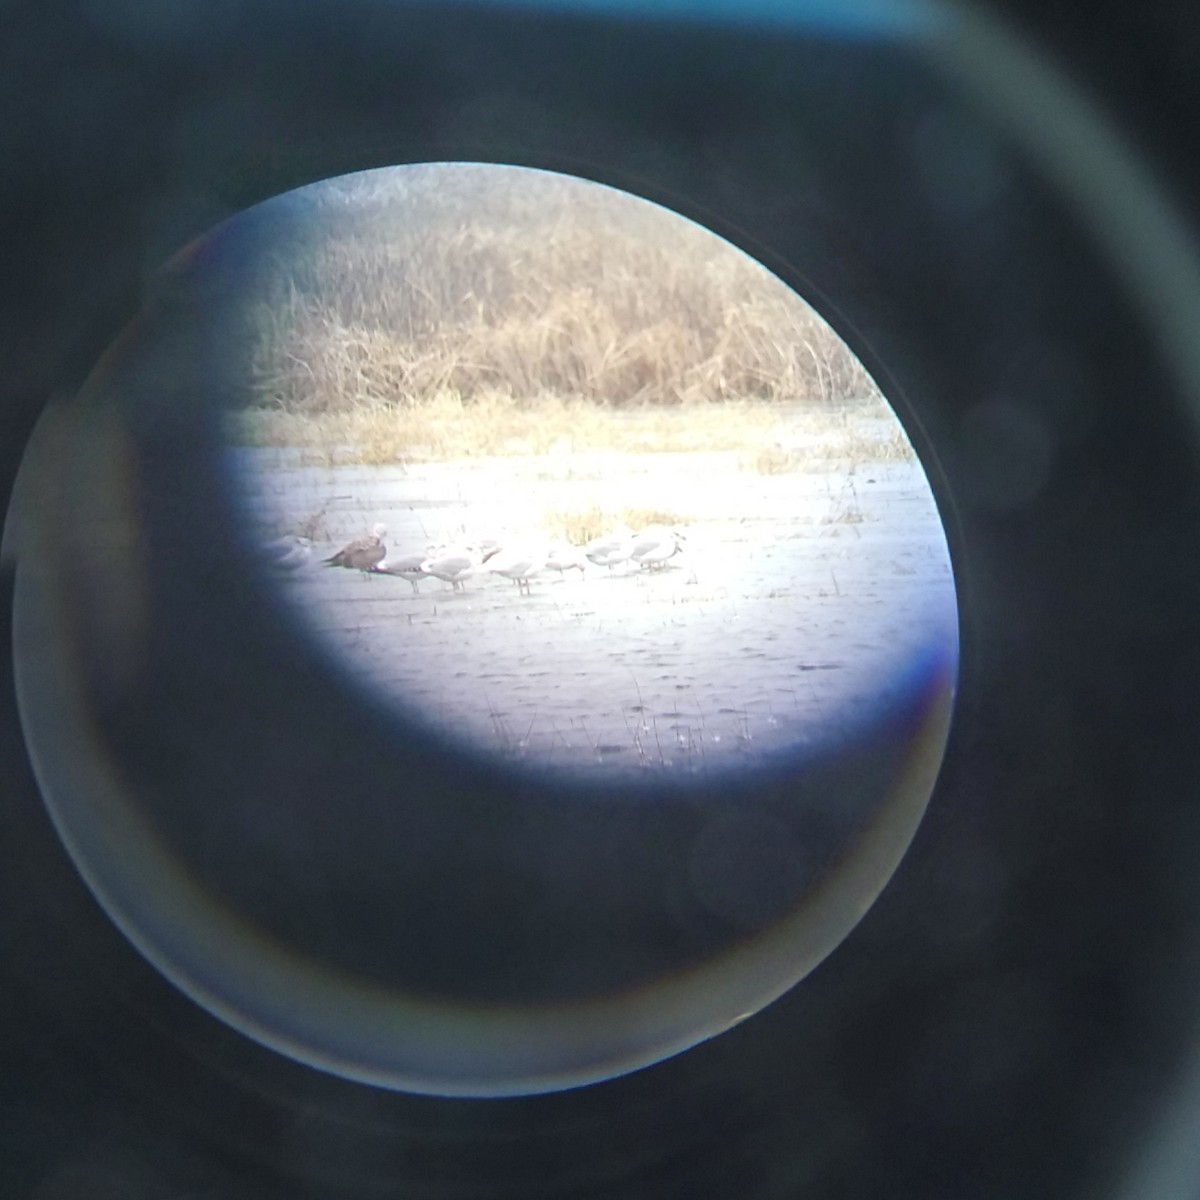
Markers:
(650, 550)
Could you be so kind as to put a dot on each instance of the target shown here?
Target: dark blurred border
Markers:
(1033, 1044)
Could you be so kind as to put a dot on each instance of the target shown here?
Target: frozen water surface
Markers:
(799, 605)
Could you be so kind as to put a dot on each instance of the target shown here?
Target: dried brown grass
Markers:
(469, 282)
(455, 312)
(580, 526)
(447, 427)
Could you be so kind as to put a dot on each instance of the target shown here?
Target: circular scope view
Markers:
(577, 482)
(479, 633)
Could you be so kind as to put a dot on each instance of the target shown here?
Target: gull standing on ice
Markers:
(363, 554)
(563, 558)
(519, 566)
(654, 545)
(288, 553)
(610, 549)
(408, 566)
(454, 564)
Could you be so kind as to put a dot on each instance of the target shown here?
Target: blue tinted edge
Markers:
(867, 19)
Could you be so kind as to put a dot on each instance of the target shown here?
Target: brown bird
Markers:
(362, 554)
